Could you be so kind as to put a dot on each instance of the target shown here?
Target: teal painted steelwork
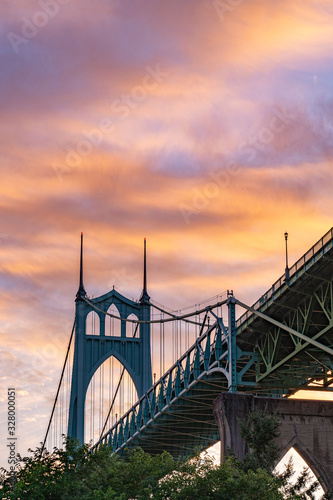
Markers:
(282, 343)
(301, 267)
(232, 347)
(210, 353)
(90, 351)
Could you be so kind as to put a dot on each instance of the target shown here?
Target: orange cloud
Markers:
(209, 136)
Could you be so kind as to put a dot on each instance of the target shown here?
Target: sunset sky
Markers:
(204, 126)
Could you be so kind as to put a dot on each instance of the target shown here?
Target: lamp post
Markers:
(287, 268)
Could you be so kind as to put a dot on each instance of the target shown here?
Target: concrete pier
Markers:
(306, 425)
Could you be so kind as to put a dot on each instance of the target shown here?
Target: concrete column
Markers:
(306, 425)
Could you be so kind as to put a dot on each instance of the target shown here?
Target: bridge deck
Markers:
(186, 423)
(303, 303)
(305, 275)
(176, 413)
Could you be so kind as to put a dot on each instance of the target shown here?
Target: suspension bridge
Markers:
(136, 373)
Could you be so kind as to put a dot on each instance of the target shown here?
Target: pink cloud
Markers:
(192, 160)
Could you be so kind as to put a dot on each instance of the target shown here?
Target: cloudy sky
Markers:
(205, 126)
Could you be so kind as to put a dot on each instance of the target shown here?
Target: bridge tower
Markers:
(90, 351)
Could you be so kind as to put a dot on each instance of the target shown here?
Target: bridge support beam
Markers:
(232, 346)
(306, 425)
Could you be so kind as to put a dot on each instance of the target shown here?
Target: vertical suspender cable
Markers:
(180, 337)
(121, 374)
(112, 363)
(117, 389)
(161, 352)
(163, 349)
(152, 346)
(176, 340)
(57, 394)
(110, 384)
(90, 414)
(173, 341)
(61, 414)
(93, 408)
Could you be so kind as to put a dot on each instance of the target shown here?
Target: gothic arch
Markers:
(303, 449)
(92, 350)
(92, 323)
(103, 390)
(113, 325)
(313, 464)
(306, 425)
(132, 328)
(121, 359)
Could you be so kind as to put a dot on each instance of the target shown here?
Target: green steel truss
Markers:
(282, 343)
(291, 327)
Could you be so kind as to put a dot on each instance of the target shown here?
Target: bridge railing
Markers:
(205, 352)
(304, 263)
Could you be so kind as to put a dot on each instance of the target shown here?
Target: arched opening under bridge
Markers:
(111, 388)
(299, 464)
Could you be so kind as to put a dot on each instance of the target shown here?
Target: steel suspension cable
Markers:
(116, 391)
(165, 320)
(175, 317)
(58, 390)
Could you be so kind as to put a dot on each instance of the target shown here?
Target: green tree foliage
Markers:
(76, 473)
(259, 432)
(301, 489)
(199, 479)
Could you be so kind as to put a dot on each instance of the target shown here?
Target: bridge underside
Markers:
(183, 425)
(280, 345)
(286, 361)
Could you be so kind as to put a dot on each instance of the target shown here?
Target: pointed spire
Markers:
(144, 299)
(81, 291)
(144, 265)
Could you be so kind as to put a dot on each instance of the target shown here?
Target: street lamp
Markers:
(287, 268)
